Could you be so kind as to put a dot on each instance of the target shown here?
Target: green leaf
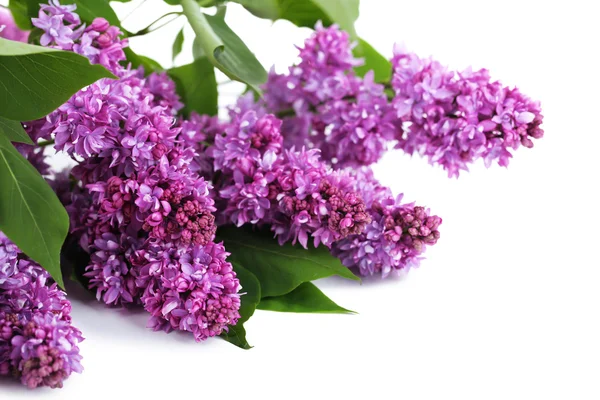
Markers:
(13, 131)
(30, 213)
(178, 44)
(306, 298)
(36, 80)
(251, 290)
(136, 60)
(268, 9)
(22, 12)
(380, 65)
(197, 86)
(237, 336)
(250, 299)
(307, 12)
(342, 12)
(223, 47)
(197, 50)
(279, 269)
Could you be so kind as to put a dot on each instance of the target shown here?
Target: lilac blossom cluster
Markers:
(325, 105)
(63, 30)
(454, 118)
(38, 344)
(397, 235)
(293, 191)
(140, 209)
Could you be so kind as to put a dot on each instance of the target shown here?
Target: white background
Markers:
(506, 304)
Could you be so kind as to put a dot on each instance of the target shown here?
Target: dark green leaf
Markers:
(301, 13)
(306, 298)
(380, 65)
(307, 12)
(197, 50)
(279, 269)
(342, 12)
(250, 299)
(251, 290)
(30, 213)
(268, 9)
(223, 47)
(13, 131)
(197, 86)
(22, 12)
(238, 61)
(36, 80)
(237, 336)
(136, 60)
(178, 44)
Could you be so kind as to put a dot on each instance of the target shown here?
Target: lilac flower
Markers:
(197, 132)
(397, 233)
(293, 191)
(456, 118)
(347, 117)
(41, 350)
(313, 200)
(193, 290)
(62, 28)
(37, 342)
(139, 189)
(8, 29)
(164, 91)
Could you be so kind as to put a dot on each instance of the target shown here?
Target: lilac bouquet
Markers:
(186, 214)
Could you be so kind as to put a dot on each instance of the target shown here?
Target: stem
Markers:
(148, 29)
(204, 33)
(45, 143)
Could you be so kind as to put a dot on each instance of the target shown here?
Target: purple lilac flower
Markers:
(325, 106)
(198, 132)
(396, 236)
(8, 29)
(455, 118)
(139, 185)
(193, 289)
(163, 89)
(40, 350)
(293, 191)
(38, 344)
(62, 28)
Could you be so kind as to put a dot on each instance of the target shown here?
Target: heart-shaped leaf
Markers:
(306, 298)
(13, 131)
(177, 44)
(279, 269)
(30, 213)
(197, 86)
(250, 299)
(223, 47)
(380, 65)
(307, 12)
(36, 80)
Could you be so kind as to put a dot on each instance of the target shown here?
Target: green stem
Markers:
(204, 33)
(149, 29)
(45, 143)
